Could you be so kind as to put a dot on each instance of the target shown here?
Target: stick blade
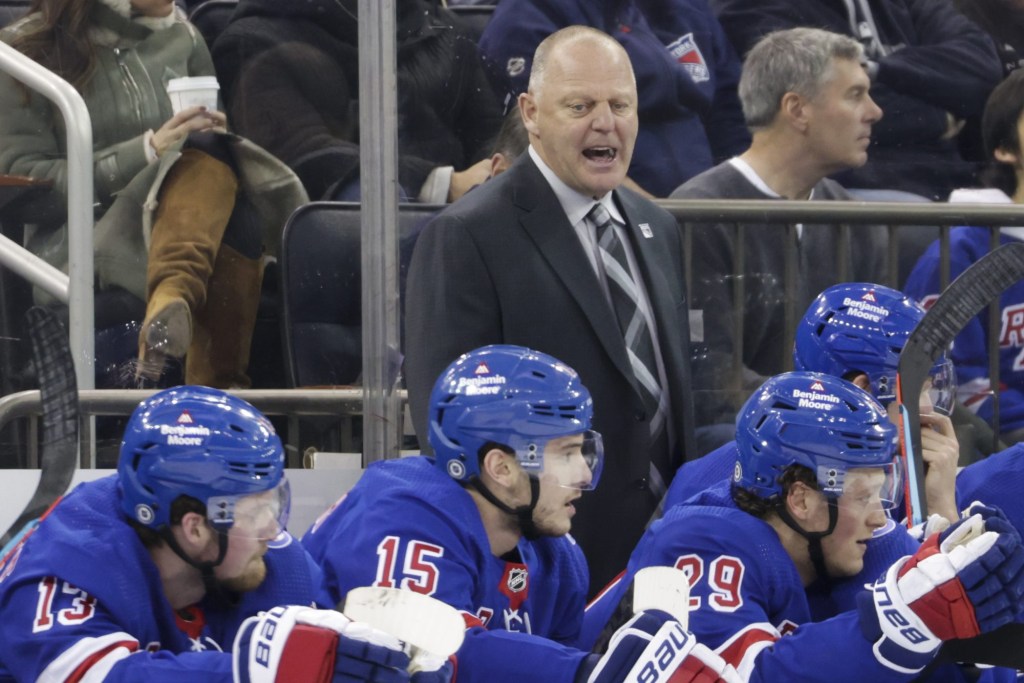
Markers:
(664, 588)
(423, 622)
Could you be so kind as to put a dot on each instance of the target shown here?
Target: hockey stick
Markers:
(961, 301)
(427, 624)
(58, 391)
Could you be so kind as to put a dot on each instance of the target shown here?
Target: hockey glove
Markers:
(652, 646)
(305, 645)
(964, 581)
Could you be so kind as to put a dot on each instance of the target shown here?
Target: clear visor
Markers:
(864, 487)
(573, 461)
(940, 388)
(262, 516)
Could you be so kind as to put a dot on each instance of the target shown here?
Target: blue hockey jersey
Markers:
(970, 349)
(408, 525)
(82, 597)
(747, 599)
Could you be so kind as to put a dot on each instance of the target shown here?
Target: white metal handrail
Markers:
(76, 288)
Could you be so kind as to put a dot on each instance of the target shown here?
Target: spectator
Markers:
(290, 73)
(931, 69)
(185, 210)
(1001, 131)
(484, 526)
(166, 569)
(1004, 21)
(816, 467)
(806, 98)
(512, 140)
(517, 261)
(686, 75)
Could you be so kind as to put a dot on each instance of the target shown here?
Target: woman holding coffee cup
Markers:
(186, 207)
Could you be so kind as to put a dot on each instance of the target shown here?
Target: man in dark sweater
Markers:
(805, 96)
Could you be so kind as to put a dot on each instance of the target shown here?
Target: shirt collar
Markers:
(575, 204)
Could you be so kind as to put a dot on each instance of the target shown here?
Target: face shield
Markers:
(863, 487)
(261, 516)
(573, 461)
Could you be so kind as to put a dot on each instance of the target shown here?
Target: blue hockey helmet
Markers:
(862, 328)
(514, 397)
(819, 421)
(204, 443)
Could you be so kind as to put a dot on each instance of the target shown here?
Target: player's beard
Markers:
(250, 579)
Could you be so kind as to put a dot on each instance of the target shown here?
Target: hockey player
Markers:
(484, 526)
(179, 567)
(816, 468)
(856, 331)
(1001, 125)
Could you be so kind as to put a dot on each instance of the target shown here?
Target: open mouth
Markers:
(605, 154)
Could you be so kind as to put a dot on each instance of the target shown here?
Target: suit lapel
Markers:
(545, 222)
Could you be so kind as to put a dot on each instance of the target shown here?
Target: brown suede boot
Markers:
(223, 328)
(196, 201)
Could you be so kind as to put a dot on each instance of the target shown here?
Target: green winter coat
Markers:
(126, 97)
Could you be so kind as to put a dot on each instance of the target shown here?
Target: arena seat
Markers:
(321, 288)
(474, 16)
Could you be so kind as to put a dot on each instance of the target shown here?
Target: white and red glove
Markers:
(305, 645)
(652, 646)
(964, 581)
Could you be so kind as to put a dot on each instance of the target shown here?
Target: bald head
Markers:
(563, 40)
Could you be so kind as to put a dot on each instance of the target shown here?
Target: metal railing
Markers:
(76, 288)
(293, 403)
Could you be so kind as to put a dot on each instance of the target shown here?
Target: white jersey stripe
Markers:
(109, 649)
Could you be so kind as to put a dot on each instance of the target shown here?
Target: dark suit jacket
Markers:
(503, 265)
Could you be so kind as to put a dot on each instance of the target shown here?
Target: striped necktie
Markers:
(637, 332)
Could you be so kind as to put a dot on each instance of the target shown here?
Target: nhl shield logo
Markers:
(686, 52)
(517, 580)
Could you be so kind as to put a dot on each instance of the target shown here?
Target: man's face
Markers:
(860, 513)
(582, 118)
(565, 473)
(256, 524)
(840, 118)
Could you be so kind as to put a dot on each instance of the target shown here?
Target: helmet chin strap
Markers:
(523, 513)
(813, 537)
(210, 582)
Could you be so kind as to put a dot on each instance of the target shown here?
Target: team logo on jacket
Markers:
(515, 66)
(686, 52)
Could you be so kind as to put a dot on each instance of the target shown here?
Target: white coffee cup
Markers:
(192, 91)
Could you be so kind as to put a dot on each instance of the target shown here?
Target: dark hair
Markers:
(60, 40)
(512, 138)
(181, 506)
(999, 130)
(753, 504)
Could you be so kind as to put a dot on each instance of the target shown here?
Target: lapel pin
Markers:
(645, 230)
